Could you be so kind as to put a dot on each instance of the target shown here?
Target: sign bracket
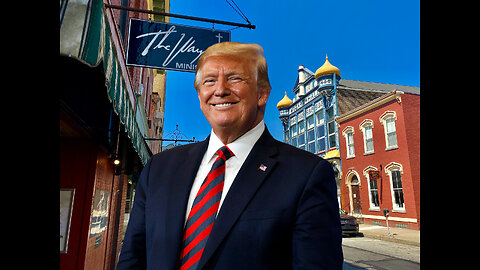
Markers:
(249, 25)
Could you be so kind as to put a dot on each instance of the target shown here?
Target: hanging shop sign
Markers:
(373, 175)
(169, 46)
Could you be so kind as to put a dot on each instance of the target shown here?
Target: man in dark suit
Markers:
(263, 204)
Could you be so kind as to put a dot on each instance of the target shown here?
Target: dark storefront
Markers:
(103, 118)
(91, 138)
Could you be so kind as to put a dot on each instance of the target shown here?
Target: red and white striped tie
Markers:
(202, 216)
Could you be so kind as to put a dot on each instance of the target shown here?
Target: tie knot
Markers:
(225, 153)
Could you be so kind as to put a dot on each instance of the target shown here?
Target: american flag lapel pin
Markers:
(262, 167)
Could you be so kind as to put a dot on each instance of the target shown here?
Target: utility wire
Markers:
(246, 19)
(238, 10)
(235, 10)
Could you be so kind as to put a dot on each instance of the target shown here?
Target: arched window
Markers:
(372, 175)
(348, 134)
(387, 120)
(395, 171)
(367, 129)
(354, 180)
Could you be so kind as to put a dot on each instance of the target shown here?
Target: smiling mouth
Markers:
(226, 104)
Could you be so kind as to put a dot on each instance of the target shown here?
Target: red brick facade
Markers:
(397, 187)
(87, 168)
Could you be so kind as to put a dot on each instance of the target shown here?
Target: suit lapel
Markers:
(178, 198)
(248, 180)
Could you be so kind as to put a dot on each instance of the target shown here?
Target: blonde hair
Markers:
(250, 51)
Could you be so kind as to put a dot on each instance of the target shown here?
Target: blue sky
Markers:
(376, 41)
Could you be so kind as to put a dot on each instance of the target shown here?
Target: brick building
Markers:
(319, 98)
(380, 156)
(107, 109)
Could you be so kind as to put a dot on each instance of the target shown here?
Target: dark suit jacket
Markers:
(285, 217)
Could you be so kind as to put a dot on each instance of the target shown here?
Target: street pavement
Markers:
(397, 235)
(373, 248)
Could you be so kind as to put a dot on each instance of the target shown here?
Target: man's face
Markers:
(228, 94)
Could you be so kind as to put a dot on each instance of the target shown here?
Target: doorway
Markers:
(357, 205)
(355, 189)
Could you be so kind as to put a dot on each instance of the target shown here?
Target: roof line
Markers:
(395, 94)
(381, 83)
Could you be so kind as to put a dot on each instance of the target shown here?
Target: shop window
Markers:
(372, 174)
(373, 193)
(397, 189)
(394, 171)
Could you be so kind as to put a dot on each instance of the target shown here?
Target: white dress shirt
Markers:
(241, 147)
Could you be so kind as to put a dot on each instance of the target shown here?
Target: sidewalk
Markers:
(398, 235)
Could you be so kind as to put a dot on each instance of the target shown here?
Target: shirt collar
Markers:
(241, 147)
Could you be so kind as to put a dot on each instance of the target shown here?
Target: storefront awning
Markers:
(332, 154)
(81, 30)
(84, 35)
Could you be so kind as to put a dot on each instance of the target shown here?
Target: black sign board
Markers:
(169, 46)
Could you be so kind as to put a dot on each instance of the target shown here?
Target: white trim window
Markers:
(332, 139)
(286, 135)
(387, 120)
(293, 138)
(311, 133)
(367, 129)
(301, 133)
(372, 188)
(348, 134)
(320, 117)
(293, 131)
(320, 121)
(394, 172)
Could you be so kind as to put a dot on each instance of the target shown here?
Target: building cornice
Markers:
(370, 105)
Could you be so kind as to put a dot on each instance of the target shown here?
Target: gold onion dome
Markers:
(285, 102)
(326, 68)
